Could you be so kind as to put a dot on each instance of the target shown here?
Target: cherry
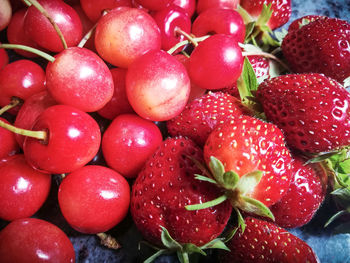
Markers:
(203, 5)
(125, 34)
(219, 21)
(169, 20)
(119, 103)
(216, 62)
(157, 86)
(154, 5)
(9, 145)
(17, 35)
(94, 9)
(70, 138)
(63, 15)
(20, 79)
(100, 201)
(30, 110)
(34, 240)
(5, 13)
(80, 78)
(128, 142)
(23, 189)
(188, 5)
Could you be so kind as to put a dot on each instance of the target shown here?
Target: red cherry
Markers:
(119, 103)
(94, 9)
(216, 62)
(188, 5)
(34, 240)
(16, 34)
(219, 21)
(154, 5)
(80, 78)
(125, 34)
(94, 198)
(5, 13)
(72, 140)
(20, 79)
(203, 5)
(9, 145)
(30, 110)
(128, 142)
(168, 20)
(23, 189)
(64, 16)
(157, 86)
(4, 58)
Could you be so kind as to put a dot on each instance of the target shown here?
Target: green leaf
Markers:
(192, 248)
(249, 181)
(244, 14)
(183, 257)
(322, 157)
(231, 180)
(204, 178)
(344, 166)
(256, 207)
(249, 28)
(208, 204)
(217, 169)
(265, 15)
(247, 82)
(155, 255)
(346, 82)
(168, 241)
(230, 234)
(334, 217)
(216, 243)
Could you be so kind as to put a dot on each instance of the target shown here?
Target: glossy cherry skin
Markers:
(188, 5)
(216, 62)
(203, 5)
(20, 79)
(219, 21)
(94, 9)
(157, 86)
(80, 78)
(31, 240)
(30, 110)
(40, 30)
(100, 201)
(119, 103)
(154, 5)
(168, 19)
(125, 34)
(16, 34)
(23, 189)
(128, 142)
(9, 145)
(73, 140)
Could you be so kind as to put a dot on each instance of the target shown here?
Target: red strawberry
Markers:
(265, 242)
(202, 115)
(302, 21)
(322, 46)
(246, 145)
(165, 186)
(305, 195)
(280, 15)
(312, 110)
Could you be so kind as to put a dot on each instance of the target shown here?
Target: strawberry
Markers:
(265, 242)
(165, 186)
(305, 195)
(302, 21)
(202, 115)
(254, 152)
(280, 15)
(321, 46)
(312, 110)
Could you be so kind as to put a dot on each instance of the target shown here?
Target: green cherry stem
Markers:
(29, 49)
(42, 10)
(185, 42)
(40, 135)
(14, 102)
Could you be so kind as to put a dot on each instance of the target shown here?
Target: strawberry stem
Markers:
(208, 204)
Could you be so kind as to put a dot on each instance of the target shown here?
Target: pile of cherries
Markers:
(89, 110)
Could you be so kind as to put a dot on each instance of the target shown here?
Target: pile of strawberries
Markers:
(253, 151)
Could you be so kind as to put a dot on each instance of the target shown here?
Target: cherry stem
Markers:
(89, 33)
(108, 241)
(14, 102)
(41, 135)
(29, 49)
(26, 2)
(267, 55)
(42, 10)
(179, 31)
(185, 42)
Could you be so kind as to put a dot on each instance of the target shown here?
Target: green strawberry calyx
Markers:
(184, 251)
(236, 190)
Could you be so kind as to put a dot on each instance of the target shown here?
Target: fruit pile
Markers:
(199, 123)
